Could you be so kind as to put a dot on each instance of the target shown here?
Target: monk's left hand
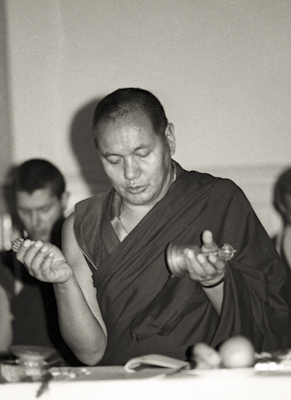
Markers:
(205, 269)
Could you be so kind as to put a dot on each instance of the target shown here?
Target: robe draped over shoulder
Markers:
(146, 310)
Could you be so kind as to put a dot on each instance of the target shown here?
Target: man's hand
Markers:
(205, 269)
(44, 261)
(205, 357)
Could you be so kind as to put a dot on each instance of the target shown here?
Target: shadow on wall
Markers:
(84, 149)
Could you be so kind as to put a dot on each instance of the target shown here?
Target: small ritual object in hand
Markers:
(15, 244)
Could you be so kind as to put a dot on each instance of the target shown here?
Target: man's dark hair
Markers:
(281, 189)
(127, 100)
(37, 174)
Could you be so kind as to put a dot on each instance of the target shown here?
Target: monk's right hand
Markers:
(44, 261)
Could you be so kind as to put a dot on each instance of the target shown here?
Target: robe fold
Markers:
(146, 310)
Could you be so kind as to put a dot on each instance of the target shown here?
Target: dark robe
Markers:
(145, 310)
(34, 308)
(286, 288)
(29, 324)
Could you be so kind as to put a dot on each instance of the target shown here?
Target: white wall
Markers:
(220, 68)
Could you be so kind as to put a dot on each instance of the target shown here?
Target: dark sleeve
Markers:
(7, 277)
(252, 305)
(29, 324)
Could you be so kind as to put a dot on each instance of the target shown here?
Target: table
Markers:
(107, 383)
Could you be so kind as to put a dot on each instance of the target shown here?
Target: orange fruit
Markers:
(237, 352)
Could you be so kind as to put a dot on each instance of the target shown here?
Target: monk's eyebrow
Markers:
(107, 154)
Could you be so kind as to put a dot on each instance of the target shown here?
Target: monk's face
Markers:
(287, 208)
(136, 159)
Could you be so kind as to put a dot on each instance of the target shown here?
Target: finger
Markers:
(195, 269)
(208, 242)
(217, 262)
(205, 354)
(46, 267)
(24, 249)
(37, 256)
(199, 267)
(208, 267)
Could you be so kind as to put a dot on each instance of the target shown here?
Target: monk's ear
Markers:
(170, 137)
(65, 200)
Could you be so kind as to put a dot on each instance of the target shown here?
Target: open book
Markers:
(155, 360)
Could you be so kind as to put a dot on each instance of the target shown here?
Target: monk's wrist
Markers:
(211, 284)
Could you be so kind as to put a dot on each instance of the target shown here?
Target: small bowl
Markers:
(32, 353)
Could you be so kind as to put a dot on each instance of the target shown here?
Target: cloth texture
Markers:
(29, 324)
(145, 310)
(286, 288)
(33, 309)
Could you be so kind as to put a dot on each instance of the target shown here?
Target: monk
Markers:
(117, 297)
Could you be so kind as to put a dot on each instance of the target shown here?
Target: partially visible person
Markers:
(282, 241)
(37, 199)
(5, 321)
(117, 298)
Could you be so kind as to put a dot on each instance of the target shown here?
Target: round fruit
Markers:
(237, 352)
